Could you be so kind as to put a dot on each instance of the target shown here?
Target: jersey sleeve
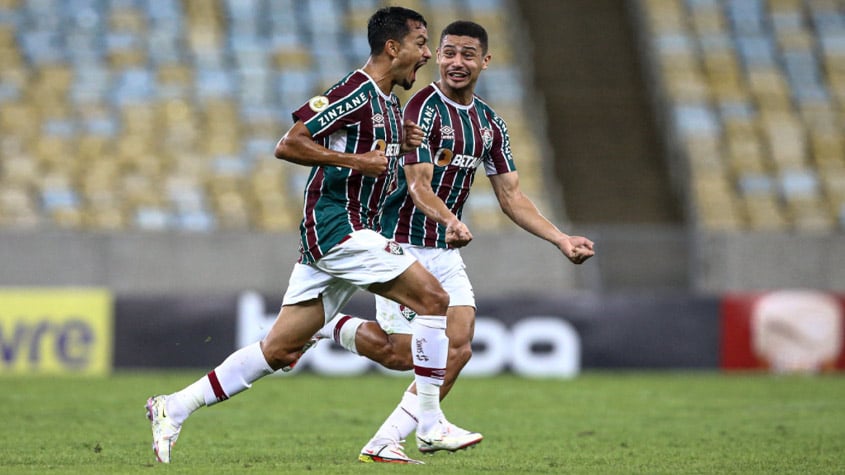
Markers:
(500, 159)
(326, 114)
(423, 113)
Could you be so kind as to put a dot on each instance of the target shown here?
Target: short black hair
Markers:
(466, 28)
(390, 23)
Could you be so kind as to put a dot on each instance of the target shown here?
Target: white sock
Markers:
(401, 422)
(342, 330)
(235, 374)
(430, 351)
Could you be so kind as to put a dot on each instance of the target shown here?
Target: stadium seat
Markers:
(775, 71)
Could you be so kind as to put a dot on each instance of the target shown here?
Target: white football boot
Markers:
(165, 432)
(447, 436)
(385, 451)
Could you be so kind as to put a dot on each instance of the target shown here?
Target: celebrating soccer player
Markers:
(352, 137)
(461, 133)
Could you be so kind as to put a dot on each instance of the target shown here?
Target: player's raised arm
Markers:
(297, 146)
(522, 211)
(418, 176)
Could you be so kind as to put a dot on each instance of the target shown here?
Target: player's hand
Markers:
(577, 249)
(457, 234)
(372, 163)
(413, 136)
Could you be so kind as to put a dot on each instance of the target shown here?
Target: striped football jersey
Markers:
(458, 139)
(353, 116)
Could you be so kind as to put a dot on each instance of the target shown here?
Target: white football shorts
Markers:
(448, 267)
(365, 257)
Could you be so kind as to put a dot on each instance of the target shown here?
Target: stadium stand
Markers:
(160, 115)
(754, 92)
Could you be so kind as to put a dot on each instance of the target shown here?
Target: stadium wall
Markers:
(87, 332)
(629, 258)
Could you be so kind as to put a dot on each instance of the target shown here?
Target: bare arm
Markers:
(522, 211)
(297, 146)
(419, 187)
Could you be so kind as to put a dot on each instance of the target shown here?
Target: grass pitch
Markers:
(600, 423)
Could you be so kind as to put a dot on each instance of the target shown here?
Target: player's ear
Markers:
(391, 48)
(486, 61)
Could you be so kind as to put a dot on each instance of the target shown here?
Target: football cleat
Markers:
(307, 346)
(165, 432)
(385, 451)
(447, 436)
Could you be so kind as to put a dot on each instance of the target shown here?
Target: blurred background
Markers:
(699, 143)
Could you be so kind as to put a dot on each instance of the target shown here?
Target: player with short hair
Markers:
(352, 137)
(462, 132)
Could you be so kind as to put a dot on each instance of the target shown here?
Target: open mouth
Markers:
(416, 68)
(457, 75)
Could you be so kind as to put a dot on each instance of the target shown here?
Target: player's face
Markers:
(461, 60)
(413, 54)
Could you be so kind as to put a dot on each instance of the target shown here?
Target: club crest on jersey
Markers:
(378, 120)
(318, 103)
(487, 136)
(407, 313)
(447, 133)
(394, 248)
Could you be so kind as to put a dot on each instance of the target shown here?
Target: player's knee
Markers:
(436, 302)
(276, 355)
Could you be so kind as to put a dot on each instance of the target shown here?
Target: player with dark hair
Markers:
(352, 138)
(462, 133)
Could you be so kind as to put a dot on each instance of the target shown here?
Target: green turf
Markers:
(598, 423)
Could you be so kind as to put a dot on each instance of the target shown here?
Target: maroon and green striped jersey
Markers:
(458, 139)
(353, 116)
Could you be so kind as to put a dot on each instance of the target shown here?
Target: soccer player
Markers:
(352, 138)
(462, 133)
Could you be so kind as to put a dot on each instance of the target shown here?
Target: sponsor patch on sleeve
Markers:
(318, 103)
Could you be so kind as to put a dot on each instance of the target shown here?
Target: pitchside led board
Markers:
(62, 331)
(783, 331)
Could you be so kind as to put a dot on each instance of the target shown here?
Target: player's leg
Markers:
(292, 328)
(429, 344)
(460, 329)
(449, 268)
(302, 314)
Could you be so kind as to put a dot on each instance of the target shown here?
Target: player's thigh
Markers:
(415, 288)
